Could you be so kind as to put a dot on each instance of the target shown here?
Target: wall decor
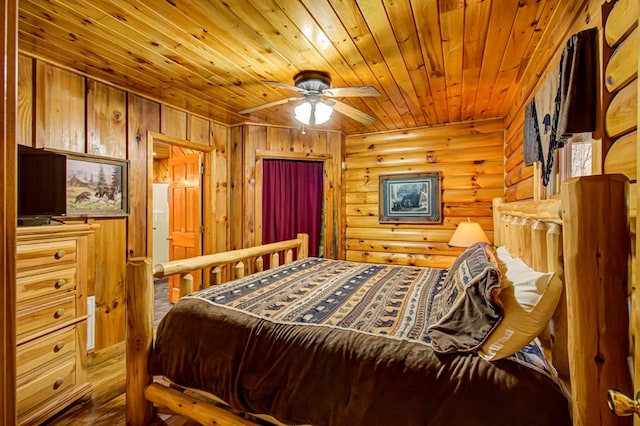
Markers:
(96, 186)
(410, 198)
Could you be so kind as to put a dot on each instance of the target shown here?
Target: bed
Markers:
(318, 341)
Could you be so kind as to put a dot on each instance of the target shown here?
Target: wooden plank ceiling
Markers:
(433, 61)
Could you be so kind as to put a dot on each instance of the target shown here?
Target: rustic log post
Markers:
(505, 231)
(596, 250)
(539, 246)
(216, 275)
(238, 270)
(259, 264)
(288, 256)
(560, 349)
(525, 240)
(194, 408)
(139, 311)
(497, 223)
(274, 260)
(303, 249)
(186, 284)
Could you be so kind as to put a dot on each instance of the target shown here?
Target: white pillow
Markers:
(529, 298)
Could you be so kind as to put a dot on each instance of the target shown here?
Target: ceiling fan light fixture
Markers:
(311, 113)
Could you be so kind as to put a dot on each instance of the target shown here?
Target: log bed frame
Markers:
(583, 237)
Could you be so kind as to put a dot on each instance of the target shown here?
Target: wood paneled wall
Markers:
(62, 110)
(519, 179)
(469, 156)
(247, 144)
(10, 112)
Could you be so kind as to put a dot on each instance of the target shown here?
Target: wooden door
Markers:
(185, 214)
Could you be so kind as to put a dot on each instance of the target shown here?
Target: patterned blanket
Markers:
(380, 299)
(384, 300)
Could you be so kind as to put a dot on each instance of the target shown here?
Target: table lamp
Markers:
(467, 234)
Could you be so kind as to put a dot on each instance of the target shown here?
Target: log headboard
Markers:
(584, 238)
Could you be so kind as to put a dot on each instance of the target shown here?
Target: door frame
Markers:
(207, 182)
(327, 192)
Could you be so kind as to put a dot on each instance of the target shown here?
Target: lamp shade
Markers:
(313, 112)
(468, 233)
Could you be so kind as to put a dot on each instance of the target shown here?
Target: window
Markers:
(577, 156)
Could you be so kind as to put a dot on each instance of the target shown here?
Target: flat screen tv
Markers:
(42, 189)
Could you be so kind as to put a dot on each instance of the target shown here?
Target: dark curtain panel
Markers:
(291, 201)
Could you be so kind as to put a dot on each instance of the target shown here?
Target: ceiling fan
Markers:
(314, 87)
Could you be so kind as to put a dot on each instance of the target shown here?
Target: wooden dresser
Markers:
(52, 269)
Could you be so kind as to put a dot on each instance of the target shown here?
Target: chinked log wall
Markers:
(470, 157)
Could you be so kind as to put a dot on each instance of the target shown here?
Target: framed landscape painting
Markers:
(410, 198)
(96, 186)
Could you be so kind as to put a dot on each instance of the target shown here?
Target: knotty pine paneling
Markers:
(161, 171)
(111, 260)
(198, 130)
(220, 198)
(24, 131)
(173, 122)
(470, 157)
(236, 188)
(143, 116)
(106, 120)
(60, 109)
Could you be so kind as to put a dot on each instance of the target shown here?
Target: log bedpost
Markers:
(560, 350)
(139, 290)
(303, 249)
(498, 238)
(596, 251)
(186, 284)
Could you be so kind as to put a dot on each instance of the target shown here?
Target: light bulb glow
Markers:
(303, 113)
(322, 112)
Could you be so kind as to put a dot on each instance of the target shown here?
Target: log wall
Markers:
(469, 156)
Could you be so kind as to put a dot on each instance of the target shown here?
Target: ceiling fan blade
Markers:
(286, 86)
(352, 112)
(343, 92)
(270, 104)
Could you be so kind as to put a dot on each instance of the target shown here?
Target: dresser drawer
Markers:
(46, 254)
(53, 282)
(46, 350)
(36, 387)
(48, 315)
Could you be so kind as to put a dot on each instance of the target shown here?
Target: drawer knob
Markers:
(58, 383)
(58, 347)
(60, 283)
(59, 254)
(58, 313)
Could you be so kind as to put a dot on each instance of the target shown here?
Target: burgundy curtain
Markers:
(291, 201)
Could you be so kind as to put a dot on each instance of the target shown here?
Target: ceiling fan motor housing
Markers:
(312, 81)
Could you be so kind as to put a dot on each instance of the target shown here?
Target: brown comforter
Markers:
(307, 347)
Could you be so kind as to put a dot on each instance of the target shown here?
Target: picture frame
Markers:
(96, 186)
(410, 198)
